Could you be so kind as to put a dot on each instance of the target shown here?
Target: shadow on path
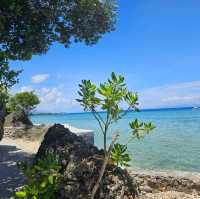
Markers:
(10, 176)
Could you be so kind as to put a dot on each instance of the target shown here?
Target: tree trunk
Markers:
(2, 119)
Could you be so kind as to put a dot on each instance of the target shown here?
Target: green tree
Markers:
(30, 27)
(109, 97)
(7, 79)
(26, 101)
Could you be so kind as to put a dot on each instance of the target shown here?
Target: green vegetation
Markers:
(44, 178)
(109, 97)
(26, 101)
(7, 77)
(31, 27)
(4, 96)
(119, 155)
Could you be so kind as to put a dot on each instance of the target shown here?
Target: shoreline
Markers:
(153, 182)
(31, 147)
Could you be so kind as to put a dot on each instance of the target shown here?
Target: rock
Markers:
(170, 195)
(34, 133)
(81, 164)
(37, 132)
(186, 182)
(146, 189)
(18, 119)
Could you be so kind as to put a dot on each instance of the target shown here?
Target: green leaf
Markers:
(119, 155)
(50, 179)
(43, 184)
(114, 78)
(21, 194)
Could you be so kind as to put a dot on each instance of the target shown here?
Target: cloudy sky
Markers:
(156, 46)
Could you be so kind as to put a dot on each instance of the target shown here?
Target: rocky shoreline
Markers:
(37, 132)
(167, 181)
(152, 184)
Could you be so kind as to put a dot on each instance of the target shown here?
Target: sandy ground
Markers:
(30, 147)
(11, 152)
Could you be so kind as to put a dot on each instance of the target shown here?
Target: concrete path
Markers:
(11, 152)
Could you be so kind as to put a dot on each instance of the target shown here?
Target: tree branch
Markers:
(96, 186)
(98, 115)
(99, 121)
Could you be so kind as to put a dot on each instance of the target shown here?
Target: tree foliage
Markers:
(109, 97)
(8, 77)
(29, 27)
(27, 101)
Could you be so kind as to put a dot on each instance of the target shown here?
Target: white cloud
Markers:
(62, 99)
(175, 95)
(26, 89)
(53, 100)
(39, 78)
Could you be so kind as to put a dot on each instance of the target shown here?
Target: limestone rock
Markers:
(81, 164)
(156, 181)
(18, 119)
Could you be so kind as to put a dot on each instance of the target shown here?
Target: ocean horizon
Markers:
(173, 145)
(141, 110)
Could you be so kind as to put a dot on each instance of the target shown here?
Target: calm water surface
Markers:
(174, 145)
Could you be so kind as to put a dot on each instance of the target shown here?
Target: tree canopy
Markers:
(26, 101)
(29, 27)
(8, 77)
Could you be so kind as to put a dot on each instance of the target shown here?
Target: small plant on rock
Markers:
(109, 97)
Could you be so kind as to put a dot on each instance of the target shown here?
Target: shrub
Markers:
(26, 101)
(44, 178)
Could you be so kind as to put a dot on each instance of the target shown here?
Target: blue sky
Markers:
(156, 46)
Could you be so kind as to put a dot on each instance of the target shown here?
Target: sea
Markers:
(173, 145)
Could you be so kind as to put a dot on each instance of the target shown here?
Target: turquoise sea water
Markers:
(174, 145)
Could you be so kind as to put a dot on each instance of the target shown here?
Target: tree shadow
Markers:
(10, 176)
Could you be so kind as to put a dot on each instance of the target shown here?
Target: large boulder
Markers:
(81, 163)
(18, 119)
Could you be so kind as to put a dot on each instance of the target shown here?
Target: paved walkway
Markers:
(10, 176)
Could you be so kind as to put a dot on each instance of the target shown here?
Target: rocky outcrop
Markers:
(157, 181)
(34, 133)
(18, 119)
(81, 165)
(37, 132)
